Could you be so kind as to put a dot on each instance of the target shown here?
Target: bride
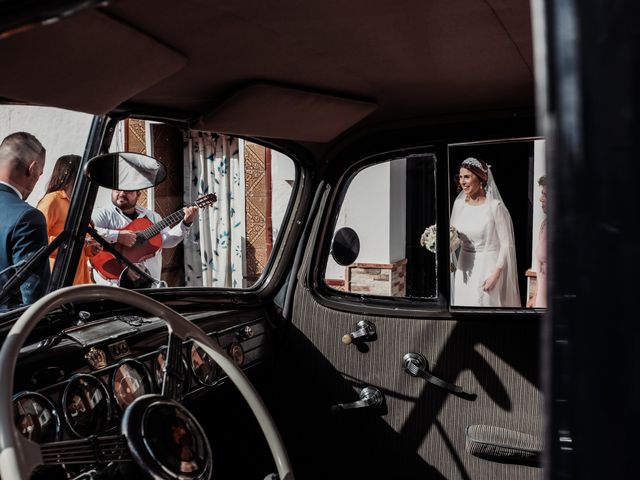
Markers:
(486, 269)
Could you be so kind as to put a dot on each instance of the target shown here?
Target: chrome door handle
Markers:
(416, 366)
(365, 332)
(370, 398)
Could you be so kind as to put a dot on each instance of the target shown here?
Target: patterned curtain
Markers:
(214, 251)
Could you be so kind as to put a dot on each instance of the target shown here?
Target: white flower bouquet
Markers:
(428, 238)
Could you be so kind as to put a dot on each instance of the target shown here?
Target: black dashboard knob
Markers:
(246, 332)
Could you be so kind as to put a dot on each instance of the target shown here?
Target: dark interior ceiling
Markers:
(408, 59)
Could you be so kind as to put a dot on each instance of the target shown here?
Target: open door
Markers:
(459, 387)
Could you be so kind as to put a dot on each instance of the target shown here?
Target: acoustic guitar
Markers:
(148, 240)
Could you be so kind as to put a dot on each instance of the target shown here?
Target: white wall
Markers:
(375, 207)
(283, 174)
(61, 132)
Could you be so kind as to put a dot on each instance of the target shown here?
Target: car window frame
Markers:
(476, 310)
(273, 275)
(372, 304)
(438, 307)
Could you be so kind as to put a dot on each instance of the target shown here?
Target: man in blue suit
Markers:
(23, 228)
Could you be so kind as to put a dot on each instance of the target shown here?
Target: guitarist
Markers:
(111, 223)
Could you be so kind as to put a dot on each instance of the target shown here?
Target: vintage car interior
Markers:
(301, 328)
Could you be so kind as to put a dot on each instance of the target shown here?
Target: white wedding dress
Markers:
(486, 243)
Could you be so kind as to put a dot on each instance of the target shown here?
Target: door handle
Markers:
(416, 366)
(370, 398)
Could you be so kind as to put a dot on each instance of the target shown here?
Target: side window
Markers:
(385, 236)
(384, 212)
(229, 242)
(498, 207)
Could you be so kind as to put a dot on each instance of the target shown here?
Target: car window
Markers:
(387, 206)
(498, 206)
(385, 233)
(229, 242)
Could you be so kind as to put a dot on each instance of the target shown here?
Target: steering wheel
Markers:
(20, 456)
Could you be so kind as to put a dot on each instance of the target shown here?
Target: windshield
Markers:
(39, 160)
(212, 218)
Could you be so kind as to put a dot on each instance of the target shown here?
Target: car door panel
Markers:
(421, 432)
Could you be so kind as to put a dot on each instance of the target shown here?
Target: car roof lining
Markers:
(196, 59)
(89, 62)
(282, 112)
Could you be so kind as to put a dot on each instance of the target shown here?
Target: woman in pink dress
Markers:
(539, 300)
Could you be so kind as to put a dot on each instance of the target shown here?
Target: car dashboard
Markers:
(77, 383)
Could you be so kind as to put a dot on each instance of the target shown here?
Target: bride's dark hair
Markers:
(476, 166)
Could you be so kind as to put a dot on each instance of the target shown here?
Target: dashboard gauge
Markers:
(158, 371)
(203, 366)
(130, 381)
(174, 437)
(35, 417)
(236, 353)
(86, 405)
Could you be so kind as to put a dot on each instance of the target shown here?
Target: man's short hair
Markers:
(21, 147)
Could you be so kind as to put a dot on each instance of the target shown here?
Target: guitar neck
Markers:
(168, 221)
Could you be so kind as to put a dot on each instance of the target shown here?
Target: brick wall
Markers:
(386, 279)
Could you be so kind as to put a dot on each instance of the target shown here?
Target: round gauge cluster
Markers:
(130, 381)
(86, 405)
(204, 368)
(36, 418)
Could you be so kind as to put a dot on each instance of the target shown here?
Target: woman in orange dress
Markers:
(55, 206)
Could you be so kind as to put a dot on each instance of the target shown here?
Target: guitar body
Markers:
(148, 242)
(107, 264)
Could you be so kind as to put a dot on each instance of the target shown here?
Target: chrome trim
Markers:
(46, 401)
(145, 375)
(370, 398)
(218, 374)
(133, 428)
(497, 141)
(105, 391)
(365, 332)
(187, 371)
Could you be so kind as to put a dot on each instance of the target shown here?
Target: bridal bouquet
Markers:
(428, 238)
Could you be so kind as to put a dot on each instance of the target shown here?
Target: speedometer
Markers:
(35, 417)
(130, 381)
(86, 405)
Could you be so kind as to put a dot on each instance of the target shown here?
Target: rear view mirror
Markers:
(125, 171)
(345, 247)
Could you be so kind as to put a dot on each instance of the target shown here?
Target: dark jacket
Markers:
(23, 230)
